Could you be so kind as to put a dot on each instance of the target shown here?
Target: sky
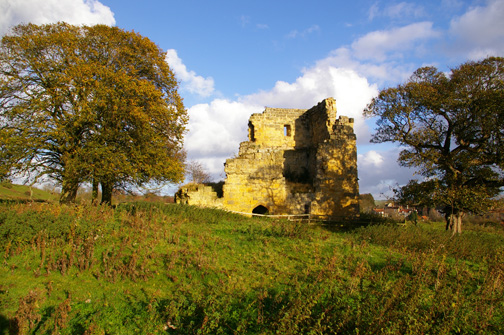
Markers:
(233, 58)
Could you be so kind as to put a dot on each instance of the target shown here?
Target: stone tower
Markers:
(296, 161)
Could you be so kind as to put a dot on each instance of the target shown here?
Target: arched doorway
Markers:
(260, 210)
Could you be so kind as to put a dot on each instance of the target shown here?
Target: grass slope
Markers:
(15, 192)
(172, 269)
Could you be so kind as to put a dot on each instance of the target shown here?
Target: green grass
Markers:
(171, 269)
(13, 192)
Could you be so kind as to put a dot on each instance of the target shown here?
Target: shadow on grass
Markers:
(4, 326)
(350, 224)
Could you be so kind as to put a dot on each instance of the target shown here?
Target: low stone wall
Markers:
(198, 195)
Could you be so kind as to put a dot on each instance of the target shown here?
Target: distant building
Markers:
(393, 210)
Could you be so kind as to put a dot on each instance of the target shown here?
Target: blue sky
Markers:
(233, 58)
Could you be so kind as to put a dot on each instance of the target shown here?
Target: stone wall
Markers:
(295, 162)
(198, 195)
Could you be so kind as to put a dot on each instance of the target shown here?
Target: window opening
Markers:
(287, 130)
(251, 132)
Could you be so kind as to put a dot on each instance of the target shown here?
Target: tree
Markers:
(452, 128)
(197, 173)
(366, 203)
(89, 104)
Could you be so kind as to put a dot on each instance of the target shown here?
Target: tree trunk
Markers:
(449, 221)
(68, 192)
(107, 188)
(454, 222)
(457, 229)
(94, 192)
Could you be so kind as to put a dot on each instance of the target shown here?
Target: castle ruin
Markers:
(296, 161)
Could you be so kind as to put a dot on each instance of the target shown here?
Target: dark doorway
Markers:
(260, 210)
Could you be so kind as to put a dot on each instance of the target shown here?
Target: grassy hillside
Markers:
(10, 191)
(172, 269)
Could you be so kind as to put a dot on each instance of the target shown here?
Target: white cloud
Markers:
(377, 72)
(452, 4)
(217, 128)
(379, 171)
(215, 132)
(304, 33)
(398, 11)
(380, 55)
(383, 44)
(193, 83)
(373, 11)
(245, 20)
(89, 12)
(404, 9)
(480, 31)
(372, 159)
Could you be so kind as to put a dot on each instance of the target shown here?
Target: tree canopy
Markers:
(89, 104)
(452, 129)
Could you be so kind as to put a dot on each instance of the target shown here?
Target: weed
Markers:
(27, 315)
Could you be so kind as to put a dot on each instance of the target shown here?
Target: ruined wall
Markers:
(256, 176)
(295, 162)
(197, 194)
(336, 182)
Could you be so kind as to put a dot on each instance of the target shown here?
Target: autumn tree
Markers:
(452, 129)
(89, 104)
